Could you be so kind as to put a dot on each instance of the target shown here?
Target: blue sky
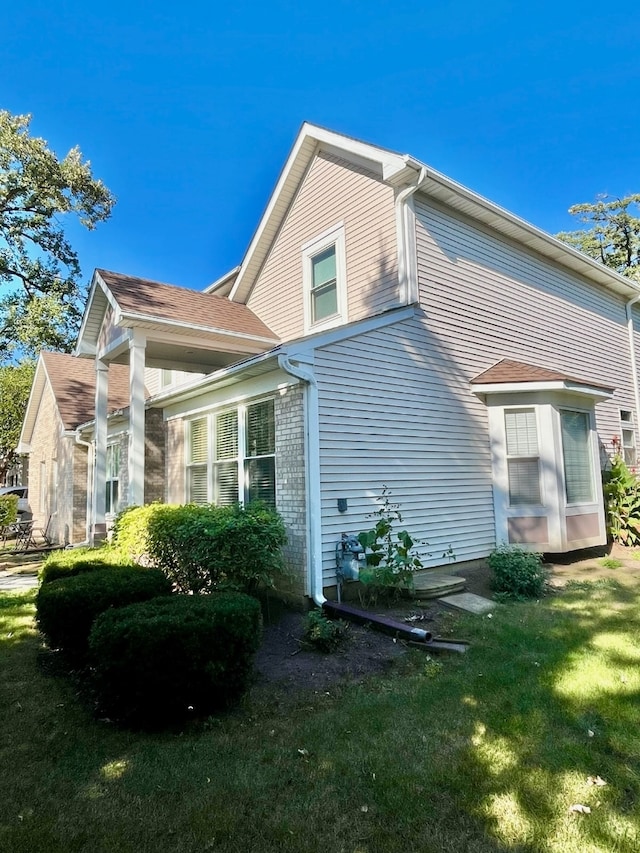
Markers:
(187, 110)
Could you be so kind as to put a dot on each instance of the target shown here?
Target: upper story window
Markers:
(166, 378)
(324, 280)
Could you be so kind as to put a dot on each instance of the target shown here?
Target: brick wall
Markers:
(154, 453)
(174, 465)
(290, 483)
(50, 448)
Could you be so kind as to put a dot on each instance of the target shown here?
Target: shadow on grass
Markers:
(480, 753)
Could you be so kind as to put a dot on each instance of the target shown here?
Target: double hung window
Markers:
(112, 478)
(628, 433)
(324, 280)
(523, 457)
(576, 451)
(231, 456)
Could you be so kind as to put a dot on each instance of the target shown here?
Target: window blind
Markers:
(227, 435)
(577, 456)
(522, 433)
(261, 429)
(199, 441)
(198, 485)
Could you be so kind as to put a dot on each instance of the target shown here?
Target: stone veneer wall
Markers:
(154, 456)
(291, 498)
(79, 498)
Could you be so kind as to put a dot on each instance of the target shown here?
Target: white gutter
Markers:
(89, 446)
(632, 355)
(312, 476)
(407, 273)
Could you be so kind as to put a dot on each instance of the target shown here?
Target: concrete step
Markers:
(435, 585)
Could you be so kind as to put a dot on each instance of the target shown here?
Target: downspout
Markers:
(632, 355)
(312, 472)
(406, 248)
(89, 446)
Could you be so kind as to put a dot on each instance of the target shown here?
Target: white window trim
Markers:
(628, 424)
(334, 236)
(538, 457)
(594, 470)
(241, 458)
(111, 513)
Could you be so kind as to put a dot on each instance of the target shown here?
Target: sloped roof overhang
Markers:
(515, 377)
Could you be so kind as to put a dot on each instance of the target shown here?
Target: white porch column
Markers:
(137, 346)
(99, 527)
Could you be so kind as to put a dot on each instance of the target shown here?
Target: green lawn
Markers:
(482, 752)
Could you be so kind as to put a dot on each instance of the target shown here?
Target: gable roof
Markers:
(73, 384)
(399, 170)
(511, 372)
(143, 302)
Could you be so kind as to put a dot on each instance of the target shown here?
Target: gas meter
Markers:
(349, 553)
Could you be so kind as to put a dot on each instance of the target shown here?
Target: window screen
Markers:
(576, 448)
(324, 285)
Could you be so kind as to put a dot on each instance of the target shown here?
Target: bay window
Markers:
(523, 457)
(576, 451)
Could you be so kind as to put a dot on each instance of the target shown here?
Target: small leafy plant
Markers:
(8, 509)
(390, 556)
(622, 501)
(517, 574)
(323, 634)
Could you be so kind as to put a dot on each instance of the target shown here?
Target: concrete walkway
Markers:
(17, 581)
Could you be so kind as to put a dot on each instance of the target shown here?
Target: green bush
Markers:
(622, 502)
(66, 607)
(205, 548)
(8, 509)
(323, 634)
(517, 573)
(171, 658)
(75, 561)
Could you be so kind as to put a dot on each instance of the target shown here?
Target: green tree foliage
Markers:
(39, 270)
(15, 384)
(612, 233)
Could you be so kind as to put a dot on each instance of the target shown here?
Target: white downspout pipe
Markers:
(312, 475)
(406, 246)
(632, 355)
(89, 446)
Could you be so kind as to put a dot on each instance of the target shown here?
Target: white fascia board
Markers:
(310, 139)
(219, 283)
(33, 404)
(349, 330)
(530, 235)
(130, 320)
(555, 385)
(88, 348)
(200, 385)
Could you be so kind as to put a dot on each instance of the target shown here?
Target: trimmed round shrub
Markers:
(66, 607)
(75, 561)
(172, 658)
(517, 573)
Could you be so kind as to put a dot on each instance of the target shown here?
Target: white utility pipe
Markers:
(405, 246)
(312, 475)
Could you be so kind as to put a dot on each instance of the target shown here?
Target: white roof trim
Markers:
(40, 377)
(552, 385)
(397, 169)
(88, 348)
(130, 319)
(219, 283)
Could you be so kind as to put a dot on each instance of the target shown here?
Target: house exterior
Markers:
(63, 397)
(386, 327)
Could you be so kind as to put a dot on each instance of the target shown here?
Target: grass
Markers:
(611, 563)
(482, 752)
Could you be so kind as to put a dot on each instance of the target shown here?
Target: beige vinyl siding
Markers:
(332, 191)
(395, 410)
(487, 298)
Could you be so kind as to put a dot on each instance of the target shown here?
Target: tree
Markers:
(39, 270)
(15, 385)
(613, 234)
